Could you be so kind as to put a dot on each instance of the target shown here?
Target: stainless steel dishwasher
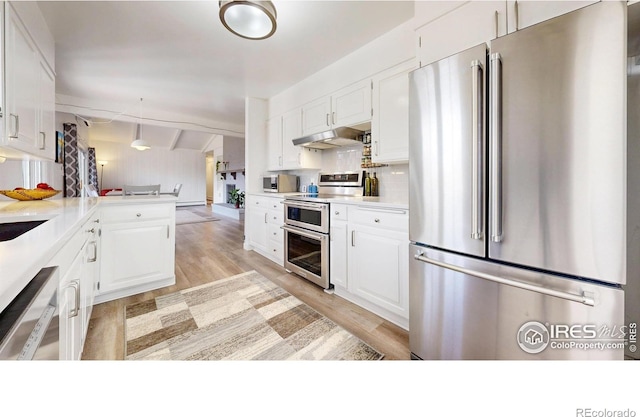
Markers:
(29, 326)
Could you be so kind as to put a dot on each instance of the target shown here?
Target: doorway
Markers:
(211, 170)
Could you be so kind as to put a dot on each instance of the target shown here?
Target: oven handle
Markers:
(305, 233)
(305, 205)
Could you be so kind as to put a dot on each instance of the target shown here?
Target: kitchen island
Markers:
(104, 248)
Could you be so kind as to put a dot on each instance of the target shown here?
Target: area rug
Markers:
(243, 317)
(186, 217)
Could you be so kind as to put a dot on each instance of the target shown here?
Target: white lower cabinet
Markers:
(338, 245)
(137, 249)
(77, 261)
(264, 219)
(369, 260)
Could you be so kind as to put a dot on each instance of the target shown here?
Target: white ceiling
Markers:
(191, 72)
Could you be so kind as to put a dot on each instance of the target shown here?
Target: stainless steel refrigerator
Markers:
(519, 213)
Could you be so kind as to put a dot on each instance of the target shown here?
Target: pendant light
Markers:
(139, 143)
(249, 19)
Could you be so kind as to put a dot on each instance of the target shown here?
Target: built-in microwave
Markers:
(280, 183)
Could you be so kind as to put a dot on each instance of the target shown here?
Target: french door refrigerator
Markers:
(518, 199)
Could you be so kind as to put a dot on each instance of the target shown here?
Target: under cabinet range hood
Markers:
(334, 138)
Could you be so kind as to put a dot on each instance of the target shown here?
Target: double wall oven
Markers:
(306, 237)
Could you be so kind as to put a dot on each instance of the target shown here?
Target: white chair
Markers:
(175, 192)
(141, 190)
(91, 191)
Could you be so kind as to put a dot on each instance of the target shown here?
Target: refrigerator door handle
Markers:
(585, 298)
(496, 148)
(477, 137)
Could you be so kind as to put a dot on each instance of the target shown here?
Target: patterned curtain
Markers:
(71, 174)
(93, 169)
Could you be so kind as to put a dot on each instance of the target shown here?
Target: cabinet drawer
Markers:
(137, 213)
(276, 233)
(339, 212)
(276, 250)
(261, 201)
(395, 219)
(276, 217)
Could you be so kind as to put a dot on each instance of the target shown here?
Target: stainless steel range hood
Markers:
(338, 137)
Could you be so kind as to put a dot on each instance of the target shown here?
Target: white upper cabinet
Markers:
(274, 144)
(390, 121)
(291, 129)
(527, 13)
(29, 121)
(316, 116)
(349, 106)
(283, 154)
(467, 26)
(352, 105)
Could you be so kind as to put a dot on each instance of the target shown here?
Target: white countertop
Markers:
(388, 202)
(21, 258)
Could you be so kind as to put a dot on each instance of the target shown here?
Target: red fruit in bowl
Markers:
(43, 185)
(18, 188)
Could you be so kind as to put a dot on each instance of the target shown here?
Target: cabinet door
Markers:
(291, 129)
(89, 281)
(352, 105)
(316, 116)
(378, 267)
(390, 121)
(22, 95)
(70, 302)
(463, 28)
(135, 254)
(258, 225)
(338, 253)
(274, 144)
(46, 112)
(527, 13)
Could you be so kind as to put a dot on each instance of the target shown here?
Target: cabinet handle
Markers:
(16, 126)
(337, 213)
(42, 140)
(138, 214)
(265, 217)
(92, 230)
(517, 16)
(76, 309)
(353, 238)
(496, 17)
(333, 118)
(167, 231)
(377, 220)
(375, 143)
(95, 252)
(328, 124)
(96, 221)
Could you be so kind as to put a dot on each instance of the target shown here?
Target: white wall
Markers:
(154, 166)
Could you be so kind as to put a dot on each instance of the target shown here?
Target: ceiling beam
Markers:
(206, 145)
(174, 141)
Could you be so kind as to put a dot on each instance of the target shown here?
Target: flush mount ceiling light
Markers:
(249, 19)
(139, 143)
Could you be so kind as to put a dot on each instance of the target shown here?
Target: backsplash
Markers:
(394, 179)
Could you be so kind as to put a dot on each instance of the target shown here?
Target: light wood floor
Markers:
(210, 251)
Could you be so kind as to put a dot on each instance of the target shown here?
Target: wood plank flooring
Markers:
(210, 251)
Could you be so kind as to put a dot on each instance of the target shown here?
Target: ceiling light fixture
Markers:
(249, 19)
(139, 143)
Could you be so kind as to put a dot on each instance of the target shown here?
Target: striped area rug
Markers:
(243, 317)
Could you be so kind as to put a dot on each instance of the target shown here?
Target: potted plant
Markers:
(236, 197)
